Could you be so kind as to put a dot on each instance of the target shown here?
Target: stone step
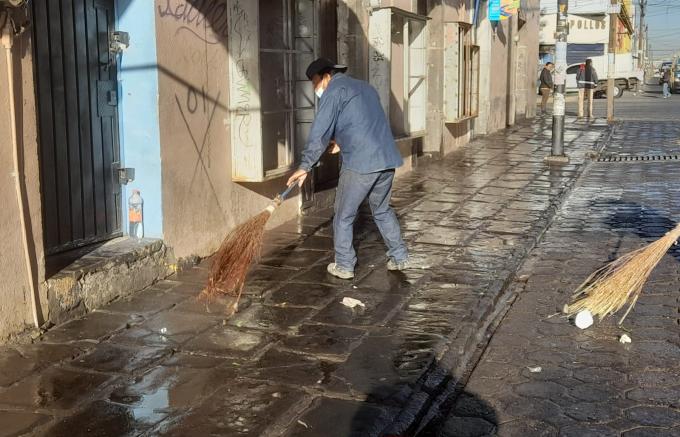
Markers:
(118, 268)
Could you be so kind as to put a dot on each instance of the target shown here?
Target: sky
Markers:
(663, 19)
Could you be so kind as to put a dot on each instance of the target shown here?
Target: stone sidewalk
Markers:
(294, 361)
(542, 376)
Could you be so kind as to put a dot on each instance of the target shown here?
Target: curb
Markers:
(440, 386)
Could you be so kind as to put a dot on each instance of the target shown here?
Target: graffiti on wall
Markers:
(196, 102)
(242, 98)
(379, 55)
(206, 20)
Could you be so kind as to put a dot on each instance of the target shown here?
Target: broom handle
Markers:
(287, 191)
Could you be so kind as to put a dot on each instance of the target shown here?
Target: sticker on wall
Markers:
(559, 104)
(508, 8)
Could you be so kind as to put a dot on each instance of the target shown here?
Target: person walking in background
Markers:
(666, 79)
(546, 85)
(586, 81)
(350, 113)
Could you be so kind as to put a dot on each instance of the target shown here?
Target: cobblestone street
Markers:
(294, 361)
(540, 375)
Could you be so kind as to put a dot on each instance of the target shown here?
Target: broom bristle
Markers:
(238, 251)
(609, 289)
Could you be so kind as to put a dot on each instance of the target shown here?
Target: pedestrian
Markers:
(349, 112)
(546, 85)
(666, 79)
(586, 81)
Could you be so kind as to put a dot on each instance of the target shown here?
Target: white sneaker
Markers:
(392, 265)
(338, 272)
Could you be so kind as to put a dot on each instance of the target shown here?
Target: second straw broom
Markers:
(609, 289)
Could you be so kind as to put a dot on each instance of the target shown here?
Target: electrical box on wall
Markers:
(119, 41)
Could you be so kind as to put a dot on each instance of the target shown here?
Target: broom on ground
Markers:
(238, 251)
(609, 289)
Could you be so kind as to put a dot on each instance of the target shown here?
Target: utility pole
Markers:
(641, 34)
(612, 60)
(561, 32)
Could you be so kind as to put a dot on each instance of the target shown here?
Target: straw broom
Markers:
(609, 289)
(239, 250)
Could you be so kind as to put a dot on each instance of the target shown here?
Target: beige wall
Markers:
(508, 71)
(15, 295)
(498, 78)
(200, 201)
(529, 41)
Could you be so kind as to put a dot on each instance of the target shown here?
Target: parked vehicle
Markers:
(675, 76)
(626, 78)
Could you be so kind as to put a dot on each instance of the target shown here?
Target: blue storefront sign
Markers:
(495, 10)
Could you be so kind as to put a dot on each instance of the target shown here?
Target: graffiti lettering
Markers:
(201, 144)
(193, 96)
(198, 17)
(241, 40)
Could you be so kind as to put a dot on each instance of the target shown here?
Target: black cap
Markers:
(322, 65)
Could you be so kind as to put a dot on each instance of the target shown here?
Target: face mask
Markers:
(319, 91)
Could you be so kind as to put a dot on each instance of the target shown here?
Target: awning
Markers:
(624, 16)
(521, 14)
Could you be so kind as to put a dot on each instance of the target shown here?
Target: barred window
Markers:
(398, 67)
(272, 102)
(461, 73)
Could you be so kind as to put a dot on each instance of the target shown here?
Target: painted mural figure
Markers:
(350, 113)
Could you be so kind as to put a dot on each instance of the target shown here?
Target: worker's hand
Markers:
(299, 176)
(334, 148)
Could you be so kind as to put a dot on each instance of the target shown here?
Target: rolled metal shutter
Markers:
(578, 53)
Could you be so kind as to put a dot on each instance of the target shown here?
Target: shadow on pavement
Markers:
(647, 223)
(467, 416)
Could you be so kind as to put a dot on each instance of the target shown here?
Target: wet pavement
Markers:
(295, 361)
(542, 376)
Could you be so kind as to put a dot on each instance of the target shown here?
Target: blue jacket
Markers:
(350, 112)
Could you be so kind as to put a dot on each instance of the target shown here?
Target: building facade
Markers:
(589, 29)
(205, 110)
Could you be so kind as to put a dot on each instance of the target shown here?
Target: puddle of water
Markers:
(152, 407)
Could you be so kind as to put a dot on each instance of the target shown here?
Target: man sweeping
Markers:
(350, 113)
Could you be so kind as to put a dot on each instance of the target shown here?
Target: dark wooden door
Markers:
(76, 79)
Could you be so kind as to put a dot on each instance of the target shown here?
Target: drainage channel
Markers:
(638, 158)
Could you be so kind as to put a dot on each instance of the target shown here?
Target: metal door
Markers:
(76, 79)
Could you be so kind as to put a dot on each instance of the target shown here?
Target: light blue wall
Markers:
(138, 110)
